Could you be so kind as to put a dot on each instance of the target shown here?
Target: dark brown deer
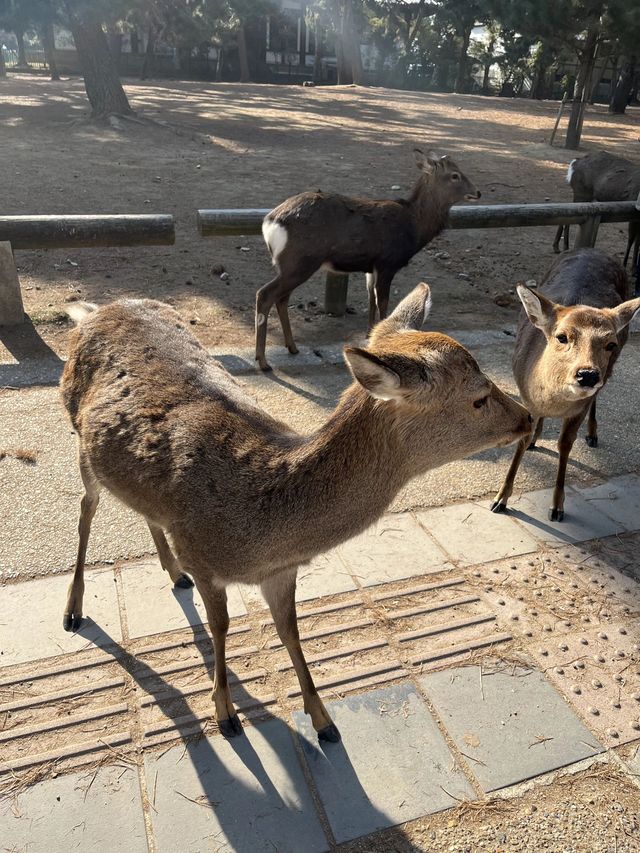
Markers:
(316, 229)
(569, 337)
(243, 497)
(604, 177)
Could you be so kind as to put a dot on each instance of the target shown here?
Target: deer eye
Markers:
(478, 404)
(611, 346)
(562, 338)
(455, 176)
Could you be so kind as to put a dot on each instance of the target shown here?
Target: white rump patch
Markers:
(275, 236)
(570, 171)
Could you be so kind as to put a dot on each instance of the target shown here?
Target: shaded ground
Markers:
(251, 146)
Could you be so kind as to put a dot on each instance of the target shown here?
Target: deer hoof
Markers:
(230, 727)
(498, 506)
(184, 582)
(592, 440)
(264, 366)
(70, 622)
(293, 350)
(532, 446)
(330, 733)
(556, 514)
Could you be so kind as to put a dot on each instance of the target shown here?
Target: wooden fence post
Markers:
(11, 307)
(336, 285)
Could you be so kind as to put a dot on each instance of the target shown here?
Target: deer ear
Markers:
(413, 310)
(540, 310)
(372, 373)
(426, 162)
(623, 314)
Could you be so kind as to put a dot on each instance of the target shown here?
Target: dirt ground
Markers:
(252, 146)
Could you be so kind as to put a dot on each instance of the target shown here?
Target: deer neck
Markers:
(430, 211)
(340, 479)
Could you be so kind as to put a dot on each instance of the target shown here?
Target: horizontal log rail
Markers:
(87, 232)
(245, 221)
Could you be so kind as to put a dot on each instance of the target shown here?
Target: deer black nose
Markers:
(587, 378)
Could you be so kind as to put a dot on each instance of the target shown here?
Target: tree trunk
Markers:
(620, 97)
(48, 43)
(461, 75)
(3, 67)
(101, 81)
(317, 57)
(587, 56)
(351, 45)
(22, 54)
(219, 64)
(245, 75)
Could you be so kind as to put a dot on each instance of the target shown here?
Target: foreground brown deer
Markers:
(569, 338)
(604, 177)
(316, 229)
(245, 498)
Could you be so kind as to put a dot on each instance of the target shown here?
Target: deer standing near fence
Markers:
(569, 337)
(244, 497)
(343, 234)
(604, 177)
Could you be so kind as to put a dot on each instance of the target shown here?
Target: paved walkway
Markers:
(459, 653)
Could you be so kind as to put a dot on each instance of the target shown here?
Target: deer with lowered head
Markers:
(377, 237)
(242, 496)
(604, 177)
(568, 340)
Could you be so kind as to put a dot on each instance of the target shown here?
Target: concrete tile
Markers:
(325, 575)
(470, 533)
(582, 519)
(619, 498)
(31, 617)
(153, 605)
(502, 719)
(395, 547)
(247, 795)
(391, 766)
(77, 812)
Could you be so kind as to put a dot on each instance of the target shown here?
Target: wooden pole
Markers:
(11, 307)
(558, 117)
(61, 232)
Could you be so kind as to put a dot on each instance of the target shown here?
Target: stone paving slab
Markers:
(153, 605)
(325, 575)
(619, 498)
(470, 533)
(31, 617)
(395, 547)
(392, 765)
(246, 795)
(512, 725)
(100, 813)
(582, 520)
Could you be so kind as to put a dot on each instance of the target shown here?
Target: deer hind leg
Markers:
(536, 433)
(283, 313)
(167, 558)
(556, 242)
(215, 602)
(278, 291)
(279, 592)
(568, 435)
(500, 502)
(73, 611)
(592, 426)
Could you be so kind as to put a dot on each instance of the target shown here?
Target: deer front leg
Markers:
(500, 502)
(167, 558)
(592, 426)
(73, 611)
(556, 242)
(382, 288)
(279, 592)
(568, 435)
(536, 433)
(282, 306)
(371, 291)
(215, 602)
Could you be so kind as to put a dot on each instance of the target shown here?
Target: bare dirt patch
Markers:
(252, 146)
